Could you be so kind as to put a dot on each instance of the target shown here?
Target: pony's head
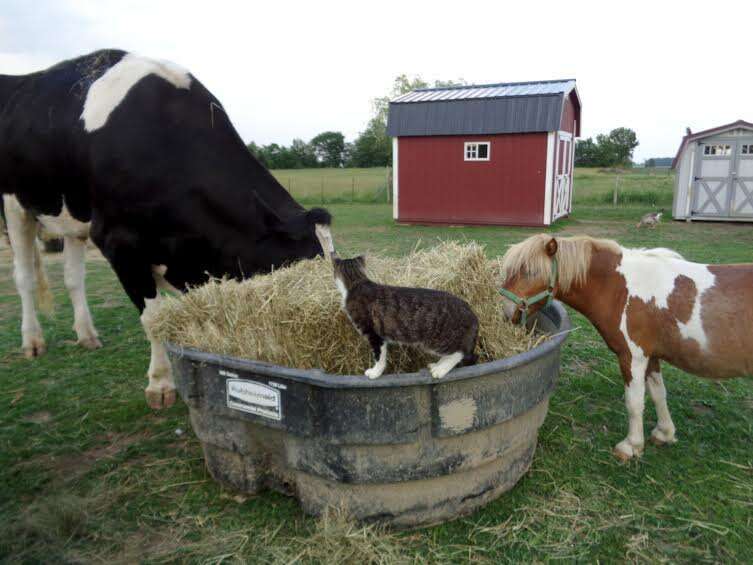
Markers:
(540, 268)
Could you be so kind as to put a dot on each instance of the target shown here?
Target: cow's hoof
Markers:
(660, 437)
(35, 347)
(624, 451)
(160, 397)
(90, 342)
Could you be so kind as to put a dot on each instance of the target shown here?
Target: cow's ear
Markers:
(319, 216)
(551, 247)
(301, 225)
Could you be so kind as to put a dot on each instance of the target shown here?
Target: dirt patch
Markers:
(701, 409)
(72, 466)
(41, 417)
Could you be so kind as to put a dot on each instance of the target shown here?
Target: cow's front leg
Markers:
(139, 282)
(74, 252)
(22, 232)
(634, 372)
(160, 392)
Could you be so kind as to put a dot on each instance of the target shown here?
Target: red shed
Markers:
(499, 154)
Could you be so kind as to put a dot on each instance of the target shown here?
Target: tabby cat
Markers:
(436, 321)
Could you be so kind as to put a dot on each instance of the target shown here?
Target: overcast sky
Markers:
(286, 70)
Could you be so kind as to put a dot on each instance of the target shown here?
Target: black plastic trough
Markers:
(405, 449)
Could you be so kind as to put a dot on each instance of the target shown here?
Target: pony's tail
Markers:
(45, 299)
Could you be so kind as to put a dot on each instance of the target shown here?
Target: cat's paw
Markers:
(373, 373)
(437, 370)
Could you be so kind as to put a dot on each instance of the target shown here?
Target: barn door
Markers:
(742, 180)
(563, 177)
(713, 180)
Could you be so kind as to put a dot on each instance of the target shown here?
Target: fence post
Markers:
(322, 191)
(614, 195)
(290, 185)
(352, 190)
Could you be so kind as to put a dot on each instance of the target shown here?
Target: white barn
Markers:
(714, 174)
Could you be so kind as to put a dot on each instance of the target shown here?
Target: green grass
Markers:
(89, 473)
(648, 187)
(592, 186)
(316, 186)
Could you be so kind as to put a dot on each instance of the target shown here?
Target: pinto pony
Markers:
(649, 305)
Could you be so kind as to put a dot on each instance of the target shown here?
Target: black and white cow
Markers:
(140, 152)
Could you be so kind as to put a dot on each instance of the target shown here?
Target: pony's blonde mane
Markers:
(573, 258)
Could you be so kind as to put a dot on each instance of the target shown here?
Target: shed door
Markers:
(742, 179)
(563, 177)
(713, 180)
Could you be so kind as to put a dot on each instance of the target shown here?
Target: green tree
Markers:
(373, 147)
(258, 152)
(609, 150)
(304, 154)
(586, 153)
(328, 148)
(404, 84)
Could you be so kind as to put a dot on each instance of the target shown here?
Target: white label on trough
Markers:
(254, 398)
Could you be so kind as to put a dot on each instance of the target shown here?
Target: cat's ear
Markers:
(361, 260)
(336, 261)
(551, 247)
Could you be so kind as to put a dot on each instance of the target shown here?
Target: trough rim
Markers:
(320, 378)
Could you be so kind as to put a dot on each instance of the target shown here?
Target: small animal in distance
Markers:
(650, 220)
(436, 321)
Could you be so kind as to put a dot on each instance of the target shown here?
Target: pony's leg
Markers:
(664, 432)
(22, 232)
(634, 372)
(75, 273)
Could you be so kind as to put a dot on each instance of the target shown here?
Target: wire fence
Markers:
(339, 186)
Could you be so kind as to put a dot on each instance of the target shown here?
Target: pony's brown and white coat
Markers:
(648, 305)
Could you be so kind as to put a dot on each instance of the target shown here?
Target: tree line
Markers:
(372, 147)
(614, 149)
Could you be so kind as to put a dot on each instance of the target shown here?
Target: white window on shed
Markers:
(477, 150)
(746, 149)
(719, 150)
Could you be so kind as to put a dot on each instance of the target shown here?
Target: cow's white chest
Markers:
(651, 275)
(108, 91)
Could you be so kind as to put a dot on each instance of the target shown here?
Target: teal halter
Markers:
(524, 304)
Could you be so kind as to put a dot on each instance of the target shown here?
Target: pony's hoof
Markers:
(90, 343)
(160, 397)
(624, 451)
(35, 347)
(660, 437)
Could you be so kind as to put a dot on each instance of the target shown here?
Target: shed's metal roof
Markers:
(499, 90)
(481, 109)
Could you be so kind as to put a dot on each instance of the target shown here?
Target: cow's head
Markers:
(297, 235)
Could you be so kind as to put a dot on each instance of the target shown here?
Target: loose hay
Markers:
(292, 317)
